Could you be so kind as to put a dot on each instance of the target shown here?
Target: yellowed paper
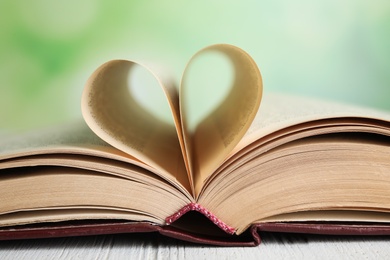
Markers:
(218, 134)
(114, 115)
(278, 111)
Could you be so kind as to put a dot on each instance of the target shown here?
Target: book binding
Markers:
(196, 207)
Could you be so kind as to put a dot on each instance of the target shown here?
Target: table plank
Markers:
(154, 246)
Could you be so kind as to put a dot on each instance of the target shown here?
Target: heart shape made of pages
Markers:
(176, 154)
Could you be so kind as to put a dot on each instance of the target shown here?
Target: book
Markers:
(258, 162)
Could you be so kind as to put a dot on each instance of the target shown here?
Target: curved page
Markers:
(114, 114)
(216, 136)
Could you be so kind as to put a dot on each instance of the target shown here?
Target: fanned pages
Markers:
(255, 163)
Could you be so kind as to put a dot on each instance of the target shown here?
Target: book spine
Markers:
(196, 207)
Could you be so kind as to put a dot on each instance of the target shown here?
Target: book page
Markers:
(74, 145)
(66, 188)
(73, 137)
(219, 133)
(283, 118)
(114, 114)
(278, 111)
(345, 171)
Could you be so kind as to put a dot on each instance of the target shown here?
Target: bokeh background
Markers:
(337, 49)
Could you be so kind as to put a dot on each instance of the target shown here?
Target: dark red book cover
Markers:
(194, 224)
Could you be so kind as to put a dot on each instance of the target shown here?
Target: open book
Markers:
(255, 163)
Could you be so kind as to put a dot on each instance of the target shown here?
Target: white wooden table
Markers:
(153, 246)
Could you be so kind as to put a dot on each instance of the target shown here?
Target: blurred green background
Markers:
(336, 49)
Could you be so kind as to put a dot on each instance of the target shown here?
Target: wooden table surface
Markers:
(154, 246)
